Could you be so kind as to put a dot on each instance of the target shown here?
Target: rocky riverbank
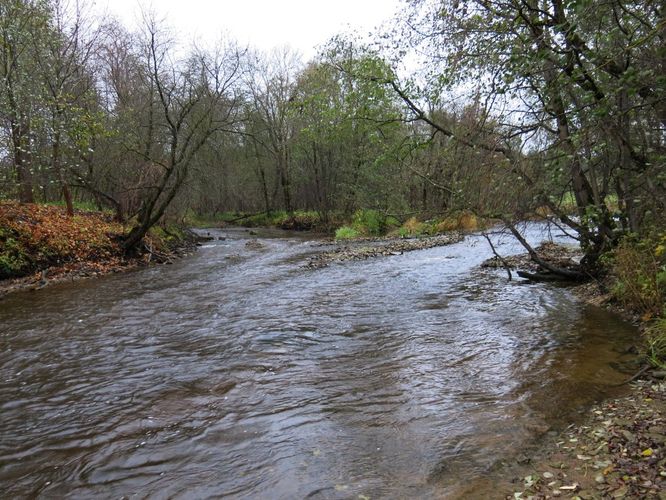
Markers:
(379, 247)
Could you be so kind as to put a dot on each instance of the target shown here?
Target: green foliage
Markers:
(639, 267)
(14, 257)
(170, 234)
(346, 233)
(369, 222)
(655, 337)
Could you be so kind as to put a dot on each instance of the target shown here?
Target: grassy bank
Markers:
(361, 224)
(636, 283)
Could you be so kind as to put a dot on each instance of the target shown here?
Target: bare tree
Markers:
(195, 99)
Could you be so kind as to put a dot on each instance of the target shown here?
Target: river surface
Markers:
(238, 372)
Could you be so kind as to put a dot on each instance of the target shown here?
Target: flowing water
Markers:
(238, 372)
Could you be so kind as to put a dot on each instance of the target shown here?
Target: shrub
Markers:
(346, 233)
(369, 222)
(639, 267)
(14, 260)
(468, 222)
(412, 228)
(300, 220)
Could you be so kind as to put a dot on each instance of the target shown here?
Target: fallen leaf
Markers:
(573, 487)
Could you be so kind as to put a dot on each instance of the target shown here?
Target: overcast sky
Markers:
(265, 24)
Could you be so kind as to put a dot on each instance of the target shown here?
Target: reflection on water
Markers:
(238, 372)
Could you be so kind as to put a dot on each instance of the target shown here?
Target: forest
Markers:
(512, 108)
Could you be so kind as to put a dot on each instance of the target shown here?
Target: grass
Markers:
(86, 206)
(655, 343)
(638, 267)
(346, 233)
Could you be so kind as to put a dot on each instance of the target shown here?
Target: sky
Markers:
(264, 24)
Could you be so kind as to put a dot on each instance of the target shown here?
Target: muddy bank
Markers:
(616, 451)
(379, 247)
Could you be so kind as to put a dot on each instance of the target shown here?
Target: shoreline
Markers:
(617, 449)
(71, 272)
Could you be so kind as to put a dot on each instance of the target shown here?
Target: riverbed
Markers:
(242, 372)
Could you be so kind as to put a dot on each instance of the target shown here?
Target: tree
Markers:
(570, 81)
(20, 94)
(350, 131)
(61, 55)
(271, 86)
(195, 99)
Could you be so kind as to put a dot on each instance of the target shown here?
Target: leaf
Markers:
(647, 453)
(572, 487)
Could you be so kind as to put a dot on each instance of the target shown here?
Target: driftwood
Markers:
(501, 259)
(247, 216)
(553, 272)
(542, 276)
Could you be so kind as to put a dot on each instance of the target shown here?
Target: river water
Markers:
(238, 372)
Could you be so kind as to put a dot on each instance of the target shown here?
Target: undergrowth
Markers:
(34, 237)
(37, 236)
(639, 272)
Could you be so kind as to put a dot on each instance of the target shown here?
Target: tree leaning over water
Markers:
(577, 90)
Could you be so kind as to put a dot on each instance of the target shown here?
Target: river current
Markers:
(239, 372)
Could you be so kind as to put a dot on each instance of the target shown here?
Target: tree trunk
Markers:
(57, 168)
(23, 160)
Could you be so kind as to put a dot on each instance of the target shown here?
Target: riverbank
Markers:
(41, 245)
(367, 248)
(617, 449)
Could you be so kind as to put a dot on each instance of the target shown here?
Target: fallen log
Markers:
(545, 276)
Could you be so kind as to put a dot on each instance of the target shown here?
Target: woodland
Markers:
(507, 109)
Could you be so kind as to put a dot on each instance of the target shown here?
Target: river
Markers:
(239, 372)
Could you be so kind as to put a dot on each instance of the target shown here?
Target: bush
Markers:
(412, 228)
(300, 220)
(655, 336)
(346, 233)
(14, 260)
(639, 267)
(369, 222)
